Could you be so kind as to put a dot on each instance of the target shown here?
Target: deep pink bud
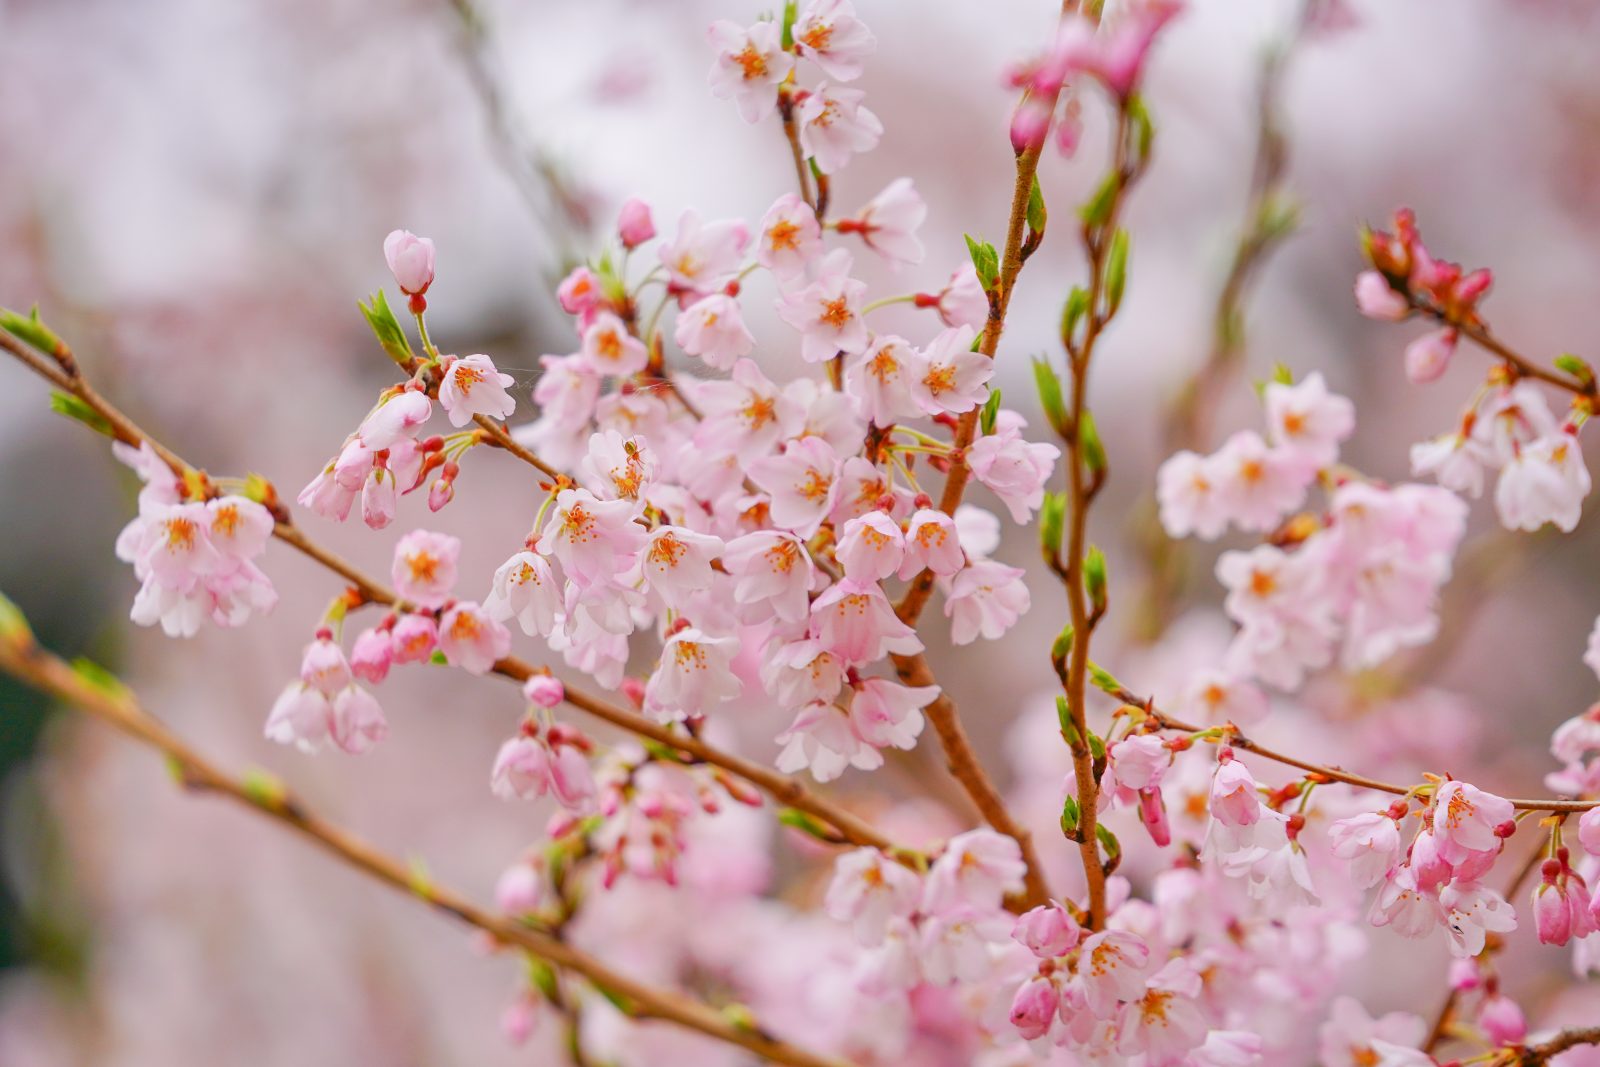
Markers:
(1552, 916)
(544, 691)
(634, 224)
(1502, 1020)
(1048, 930)
(1153, 813)
(371, 655)
(1029, 124)
(1034, 1008)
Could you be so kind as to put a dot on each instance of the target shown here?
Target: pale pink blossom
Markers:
(1546, 481)
(703, 255)
(770, 570)
(748, 414)
(821, 740)
(985, 599)
(1501, 1020)
(371, 655)
(522, 888)
(801, 672)
(887, 714)
(963, 302)
(1466, 819)
(1138, 762)
(302, 716)
(932, 543)
(579, 294)
(889, 222)
(828, 33)
(693, 677)
(424, 569)
(525, 589)
(790, 238)
(594, 539)
(357, 722)
(1235, 797)
(1471, 913)
(1165, 1022)
(952, 378)
(955, 945)
(1216, 697)
(871, 547)
(827, 312)
(1352, 1038)
(1034, 1007)
(415, 638)
(749, 65)
(471, 639)
(1456, 462)
(1261, 485)
(566, 392)
(880, 380)
(1369, 843)
(1428, 357)
(544, 691)
(323, 665)
(617, 467)
(471, 386)
(868, 890)
(1111, 969)
(1308, 420)
(1191, 491)
(834, 126)
(396, 417)
(713, 329)
(856, 622)
(1013, 469)
(677, 562)
(977, 869)
(801, 482)
(410, 260)
(610, 350)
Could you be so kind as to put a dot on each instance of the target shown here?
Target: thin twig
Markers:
(30, 664)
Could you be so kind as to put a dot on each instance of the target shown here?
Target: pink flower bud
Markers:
(440, 493)
(544, 691)
(1502, 1020)
(1589, 831)
(1376, 299)
(579, 292)
(1153, 813)
(634, 224)
(1552, 916)
(1428, 356)
(410, 260)
(371, 655)
(520, 889)
(415, 638)
(1034, 1008)
(1048, 930)
(1029, 124)
(517, 1022)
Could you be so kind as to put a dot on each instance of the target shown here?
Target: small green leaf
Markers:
(740, 1017)
(418, 879)
(14, 628)
(1109, 842)
(1052, 523)
(1097, 211)
(1278, 217)
(1094, 577)
(1575, 366)
(1103, 679)
(74, 408)
(1143, 131)
(1072, 312)
(1050, 399)
(1070, 816)
(1094, 452)
(1097, 747)
(100, 678)
(990, 412)
(264, 790)
(31, 330)
(807, 824)
(1062, 647)
(542, 977)
(791, 11)
(387, 328)
(1037, 215)
(985, 260)
(438, 659)
(1116, 270)
(1069, 729)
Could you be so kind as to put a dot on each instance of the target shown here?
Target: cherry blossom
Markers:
(471, 386)
(749, 65)
(827, 312)
(834, 126)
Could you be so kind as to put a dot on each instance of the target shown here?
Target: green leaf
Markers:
(1116, 270)
(74, 408)
(807, 824)
(991, 411)
(1575, 366)
(100, 678)
(438, 659)
(1104, 680)
(31, 330)
(264, 790)
(791, 11)
(1052, 523)
(1072, 312)
(1094, 452)
(985, 260)
(1062, 647)
(1109, 842)
(1141, 129)
(387, 328)
(542, 977)
(1097, 211)
(14, 628)
(1069, 729)
(1037, 215)
(1094, 577)
(740, 1017)
(1050, 399)
(1070, 816)
(1278, 217)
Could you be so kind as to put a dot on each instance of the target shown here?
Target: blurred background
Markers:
(196, 194)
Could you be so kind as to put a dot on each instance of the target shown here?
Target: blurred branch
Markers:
(109, 701)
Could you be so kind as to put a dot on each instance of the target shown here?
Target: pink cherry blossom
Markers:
(703, 255)
(1308, 420)
(424, 568)
(1049, 931)
(1034, 1007)
(834, 126)
(887, 714)
(594, 539)
(1546, 481)
(772, 571)
(889, 222)
(713, 329)
(749, 65)
(856, 622)
(693, 677)
(871, 547)
(471, 386)
(985, 599)
(977, 869)
(1111, 969)
(610, 350)
(525, 589)
(415, 638)
(1376, 299)
(302, 716)
(371, 655)
(1013, 469)
(963, 302)
(790, 239)
(821, 740)
(953, 378)
(1428, 357)
(828, 33)
(1191, 490)
(544, 691)
(932, 543)
(357, 722)
(827, 312)
(801, 481)
(868, 890)
(1235, 797)
(471, 639)
(880, 380)
(1466, 819)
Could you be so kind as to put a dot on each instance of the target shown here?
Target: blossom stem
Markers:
(117, 707)
(791, 130)
(906, 298)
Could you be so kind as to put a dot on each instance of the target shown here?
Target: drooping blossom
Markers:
(471, 386)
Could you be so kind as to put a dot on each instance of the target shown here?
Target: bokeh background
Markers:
(196, 193)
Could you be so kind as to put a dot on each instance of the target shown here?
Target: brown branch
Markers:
(45, 672)
(967, 770)
(1332, 774)
(780, 787)
(1478, 331)
(500, 437)
(1537, 1055)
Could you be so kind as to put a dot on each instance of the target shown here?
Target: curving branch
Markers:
(109, 702)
